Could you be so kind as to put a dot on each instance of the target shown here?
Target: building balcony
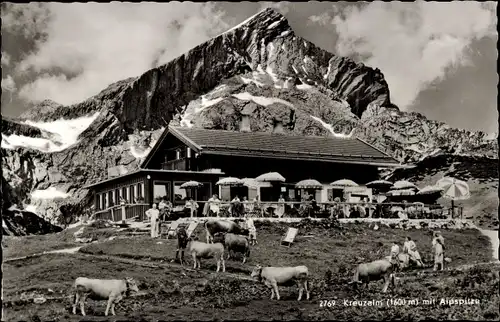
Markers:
(183, 164)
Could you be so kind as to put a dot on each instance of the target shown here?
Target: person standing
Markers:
(154, 215)
(395, 253)
(438, 247)
(410, 248)
(252, 231)
(182, 240)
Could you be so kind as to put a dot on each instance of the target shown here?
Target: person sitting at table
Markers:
(235, 206)
(214, 203)
(280, 210)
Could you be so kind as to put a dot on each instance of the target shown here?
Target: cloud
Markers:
(413, 44)
(282, 7)
(8, 84)
(96, 44)
(5, 59)
(25, 19)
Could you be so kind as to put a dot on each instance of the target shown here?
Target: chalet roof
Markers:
(282, 146)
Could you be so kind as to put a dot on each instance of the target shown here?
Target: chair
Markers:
(173, 227)
(192, 226)
(289, 236)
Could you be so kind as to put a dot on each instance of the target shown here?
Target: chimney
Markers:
(278, 127)
(245, 123)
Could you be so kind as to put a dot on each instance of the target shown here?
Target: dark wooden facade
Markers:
(178, 158)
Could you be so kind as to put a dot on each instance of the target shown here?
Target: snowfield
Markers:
(261, 100)
(330, 128)
(50, 193)
(65, 132)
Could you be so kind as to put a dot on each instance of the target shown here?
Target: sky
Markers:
(439, 59)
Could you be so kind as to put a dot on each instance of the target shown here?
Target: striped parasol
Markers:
(403, 184)
(454, 189)
(191, 184)
(379, 184)
(344, 183)
(229, 181)
(271, 177)
(309, 184)
(253, 183)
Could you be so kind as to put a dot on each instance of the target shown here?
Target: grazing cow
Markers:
(204, 250)
(286, 276)
(182, 241)
(223, 226)
(374, 271)
(235, 243)
(98, 289)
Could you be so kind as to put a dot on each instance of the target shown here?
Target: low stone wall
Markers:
(394, 223)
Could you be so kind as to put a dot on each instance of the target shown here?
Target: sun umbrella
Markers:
(344, 183)
(309, 184)
(271, 177)
(430, 190)
(454, 189)
(403, 184)
(253, 183)
(401, 192)
(379, 184)
(191, 184)
(229, 181)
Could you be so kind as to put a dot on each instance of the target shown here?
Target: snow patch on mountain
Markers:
(330, 128)
(20, 141)
(66, 130)
(49, 193)
(64, 134)
(261, 100)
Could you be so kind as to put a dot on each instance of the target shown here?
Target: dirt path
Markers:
(72, 250)
(493, 235)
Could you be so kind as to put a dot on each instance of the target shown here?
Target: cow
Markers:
(285, 276)
(235, 243)
(223, 226)
(204, 250)
(374, 271)
(102, 289)
(182, 241)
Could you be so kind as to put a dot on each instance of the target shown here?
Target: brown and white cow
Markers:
(374, 271)
(223, 226)
(234, 243)
(199, 250)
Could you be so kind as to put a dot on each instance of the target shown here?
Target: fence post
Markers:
(112, 214)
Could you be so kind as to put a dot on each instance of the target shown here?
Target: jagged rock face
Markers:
(264, 43)
(260, 69)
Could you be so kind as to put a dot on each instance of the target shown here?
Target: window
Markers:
(180, 195)
(141, 190)
(125, 193)
(225, 193)
(161, 189)
(117, 196)
(131, 193)
(102, 196)
(98, 202)
(111, 201)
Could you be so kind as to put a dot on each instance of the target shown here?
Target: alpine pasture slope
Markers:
(260, 68)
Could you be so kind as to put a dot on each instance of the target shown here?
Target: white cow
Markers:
(286, 276)
(99, 289)
(203, 250)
